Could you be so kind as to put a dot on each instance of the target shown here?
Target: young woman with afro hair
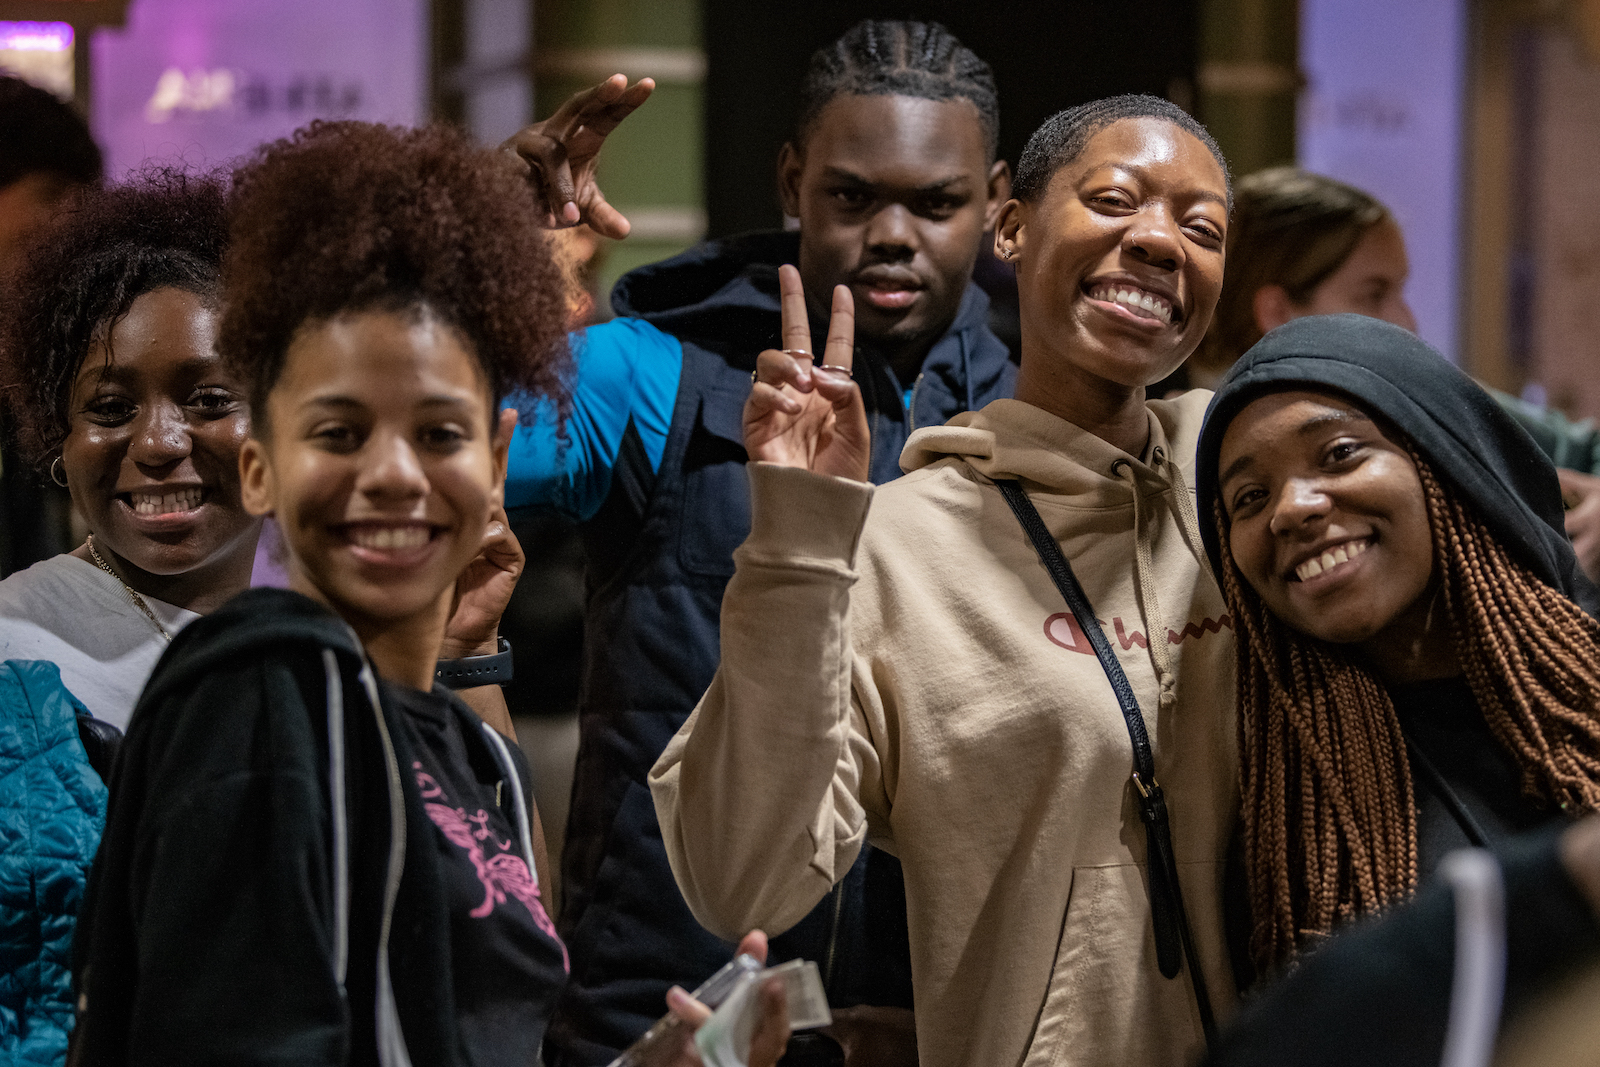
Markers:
(317, 852)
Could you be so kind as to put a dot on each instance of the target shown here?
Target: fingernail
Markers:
(570, 212)
(676, 997)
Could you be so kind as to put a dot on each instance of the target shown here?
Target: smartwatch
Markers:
(474, 671)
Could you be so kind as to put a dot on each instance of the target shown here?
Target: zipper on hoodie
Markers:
(833, 936)
(911, 406)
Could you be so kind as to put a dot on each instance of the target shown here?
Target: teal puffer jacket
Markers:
(52, 810)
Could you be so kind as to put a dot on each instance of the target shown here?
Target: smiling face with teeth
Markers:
(1119, 267)
(1328, 523)
(381, 464)
(155, 424)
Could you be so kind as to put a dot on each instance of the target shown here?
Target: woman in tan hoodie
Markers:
(902, 668)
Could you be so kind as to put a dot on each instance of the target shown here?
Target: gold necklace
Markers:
(138, 601)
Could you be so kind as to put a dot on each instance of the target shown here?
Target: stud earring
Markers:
(1007, 252)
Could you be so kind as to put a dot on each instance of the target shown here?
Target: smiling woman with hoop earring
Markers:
(107, 366)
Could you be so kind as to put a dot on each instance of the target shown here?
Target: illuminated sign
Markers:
(206, 81)
(39, 53)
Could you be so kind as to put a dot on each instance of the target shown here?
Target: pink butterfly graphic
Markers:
(505, 873)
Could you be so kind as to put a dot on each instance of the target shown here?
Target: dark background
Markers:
(1045, 56)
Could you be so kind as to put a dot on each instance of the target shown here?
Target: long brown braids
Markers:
(1330, 825)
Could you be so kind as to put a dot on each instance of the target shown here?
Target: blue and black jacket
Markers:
(652, 466)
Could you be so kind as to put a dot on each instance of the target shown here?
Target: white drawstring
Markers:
(1478, 989)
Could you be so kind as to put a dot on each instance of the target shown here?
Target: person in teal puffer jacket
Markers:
(52, 810)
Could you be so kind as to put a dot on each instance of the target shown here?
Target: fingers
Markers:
(544, 162)
(585, 104)
(561, 195)
(841, 349)
(753, 944)
(686, 1007)
(771, 1038)
(600, 117)
(792, 299)
(778, 369)
(604, 219)
(500, 544)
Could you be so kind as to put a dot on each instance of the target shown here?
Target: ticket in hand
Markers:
(662, 1043)
(724, 1039)
(802, 987)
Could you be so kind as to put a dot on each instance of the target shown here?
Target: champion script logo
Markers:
(1062, 629)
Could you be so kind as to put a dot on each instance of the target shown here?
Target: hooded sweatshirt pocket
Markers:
(1106, 992)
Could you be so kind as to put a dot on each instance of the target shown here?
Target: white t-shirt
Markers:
(72, 613)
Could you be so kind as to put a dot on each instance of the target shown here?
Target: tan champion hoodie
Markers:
(908, 673)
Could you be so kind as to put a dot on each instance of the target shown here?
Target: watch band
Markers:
(474, 671)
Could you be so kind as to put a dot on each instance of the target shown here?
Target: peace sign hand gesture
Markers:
(805, 415)
(558, 155)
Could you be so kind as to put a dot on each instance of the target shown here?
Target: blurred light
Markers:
(35, 36)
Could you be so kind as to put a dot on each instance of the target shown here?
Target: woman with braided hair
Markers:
(1419, 668)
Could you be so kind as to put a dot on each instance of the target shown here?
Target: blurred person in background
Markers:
(1419, 665)
(893, 177)
(114, 389)
(45, 153)
(1306, 244)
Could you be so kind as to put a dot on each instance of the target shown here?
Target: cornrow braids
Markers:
(1329, 814)
(1065, 134)
(899, 58)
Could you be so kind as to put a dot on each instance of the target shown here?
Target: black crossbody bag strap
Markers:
(1174, 942)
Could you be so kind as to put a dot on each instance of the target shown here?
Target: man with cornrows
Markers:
(893, 177)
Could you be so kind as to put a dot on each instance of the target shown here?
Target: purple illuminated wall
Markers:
(207, 80)
(1383, 111)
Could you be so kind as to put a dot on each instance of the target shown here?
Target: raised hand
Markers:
(484, 589)
(558, 155)
(803, 414)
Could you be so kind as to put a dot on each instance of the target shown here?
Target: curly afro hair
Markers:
(108, 247)
(346, 217)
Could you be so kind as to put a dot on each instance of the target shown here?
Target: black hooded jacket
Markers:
(659, 554)
(210, 929)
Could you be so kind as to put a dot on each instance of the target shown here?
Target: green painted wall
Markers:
(653, 163)
(1248, 80)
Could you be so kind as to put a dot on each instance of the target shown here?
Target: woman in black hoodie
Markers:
(314, 852)
(1418, 666)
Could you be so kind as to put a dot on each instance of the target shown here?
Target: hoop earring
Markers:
(55, 473)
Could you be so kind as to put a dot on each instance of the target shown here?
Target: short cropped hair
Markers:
(899, 58)
(1065, 134)
(346, 217)
(162, 228)
(41, 135)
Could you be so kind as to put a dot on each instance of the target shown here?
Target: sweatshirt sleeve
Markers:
(228, 882)
(760, 794)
